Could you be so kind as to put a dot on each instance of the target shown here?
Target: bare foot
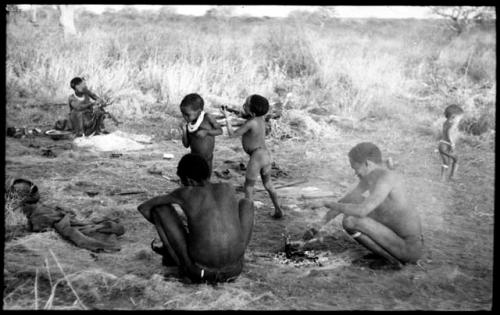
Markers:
(277, 215)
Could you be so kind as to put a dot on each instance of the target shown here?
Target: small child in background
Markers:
(253, 140)
(200, 129)
(449, 137)
(83, 120)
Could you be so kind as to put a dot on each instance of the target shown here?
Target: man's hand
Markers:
(330, 215)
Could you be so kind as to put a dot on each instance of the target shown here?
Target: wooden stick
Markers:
(301, 181)
(317, 197)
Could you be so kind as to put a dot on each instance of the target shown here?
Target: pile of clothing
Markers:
(97, 234)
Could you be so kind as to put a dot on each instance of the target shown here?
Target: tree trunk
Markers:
(67, 19)
(33, 14)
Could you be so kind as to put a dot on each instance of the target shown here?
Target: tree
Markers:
(319, 16)
(67, 19)
(220, 11)
(460, 17)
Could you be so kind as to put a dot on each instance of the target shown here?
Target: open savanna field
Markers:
(341, 82)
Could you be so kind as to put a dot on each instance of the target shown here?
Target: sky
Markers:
(281, 11)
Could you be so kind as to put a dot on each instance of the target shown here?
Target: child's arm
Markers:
(238, 132)
(93, 96)
(184, 135)
(78, 105)
(216, 128)
(448, 133)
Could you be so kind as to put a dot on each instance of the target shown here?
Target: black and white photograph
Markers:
(249, 157)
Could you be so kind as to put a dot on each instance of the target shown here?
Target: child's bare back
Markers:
(253, 134)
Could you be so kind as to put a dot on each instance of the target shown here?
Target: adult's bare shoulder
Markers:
(226, 187)
(388, 177)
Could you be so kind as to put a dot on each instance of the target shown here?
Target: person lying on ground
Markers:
(200, 129)
(85, 117)
(212, 245)
(384, 222)
(253, 141)
(448, 139)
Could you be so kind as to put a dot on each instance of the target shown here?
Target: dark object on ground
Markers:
(98, 234)
(22, 132)
(155, 170)
(294, 252)
(309, 234)
(48, 152)
(116, 155)
(92, 193)
(58, 134)
(225, 174)
(128, 193)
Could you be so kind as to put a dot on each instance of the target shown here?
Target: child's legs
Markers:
(454, 163)
(253, 168)
(265, 174)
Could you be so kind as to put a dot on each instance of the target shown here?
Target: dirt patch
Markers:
(455, 274)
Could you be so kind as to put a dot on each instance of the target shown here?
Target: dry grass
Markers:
(371, 83)
(336, 67)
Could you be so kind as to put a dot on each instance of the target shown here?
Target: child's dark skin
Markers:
(78, 106)
(202, 141)
(446, 146)
(252, 134)
(219, 227)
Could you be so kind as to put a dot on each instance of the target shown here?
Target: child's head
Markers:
(453, 111)
(78, 84)
(361, 154)
(191, 107)
(192, 170)
(257, 105)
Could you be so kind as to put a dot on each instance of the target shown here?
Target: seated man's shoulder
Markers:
(387, 175)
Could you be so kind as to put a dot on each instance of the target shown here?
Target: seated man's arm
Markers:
(382, 189)
(146, 207)
(355, 195)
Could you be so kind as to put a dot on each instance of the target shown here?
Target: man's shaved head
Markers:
(194, 167)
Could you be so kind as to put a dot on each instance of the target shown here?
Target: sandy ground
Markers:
(454, 274)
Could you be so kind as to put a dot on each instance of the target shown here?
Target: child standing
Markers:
(449, 137)
(200, 129)
(253, 140)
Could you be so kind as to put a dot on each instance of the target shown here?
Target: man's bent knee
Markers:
(349, 223)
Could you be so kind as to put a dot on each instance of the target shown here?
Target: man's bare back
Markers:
(218, 226)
